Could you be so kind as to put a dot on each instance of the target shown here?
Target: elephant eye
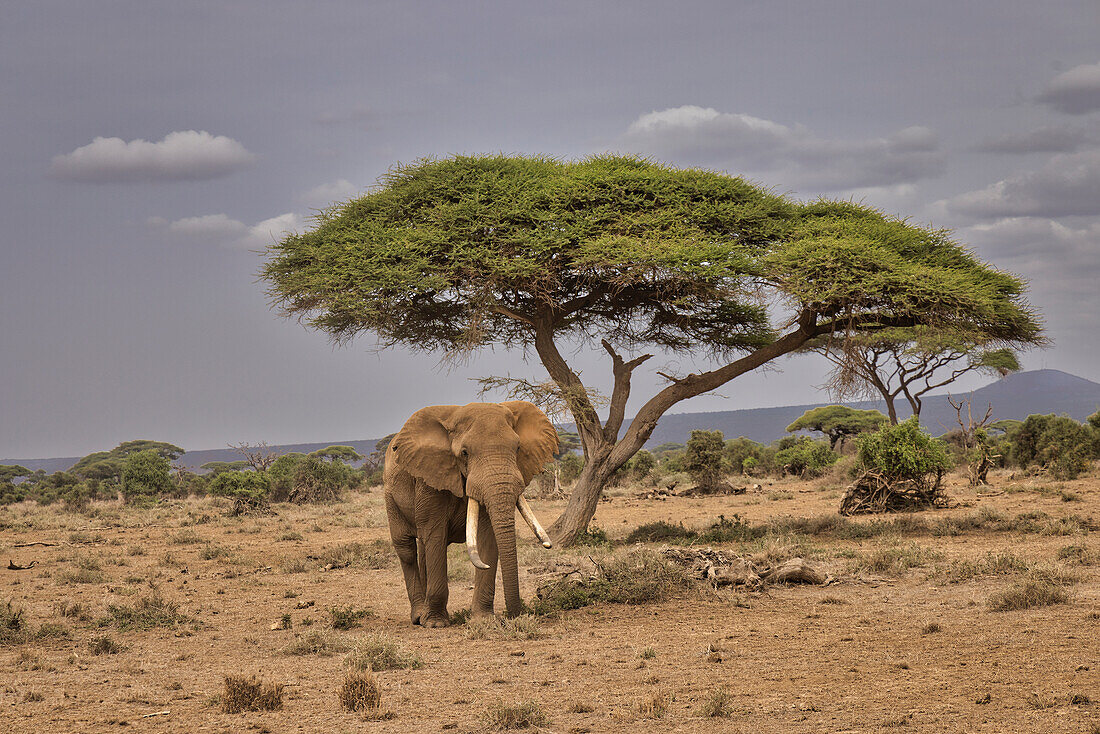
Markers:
(464, 453)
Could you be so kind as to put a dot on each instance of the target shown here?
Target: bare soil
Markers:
(883, 648)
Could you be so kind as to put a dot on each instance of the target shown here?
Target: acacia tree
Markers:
(912, 362)
(838, 422)
(456, 254)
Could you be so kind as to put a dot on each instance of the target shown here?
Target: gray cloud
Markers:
(707, 136)
(1067, 185)
(1074, 92)
(186, 155)
(1047, 139)
(329, 193)
(1040, 240)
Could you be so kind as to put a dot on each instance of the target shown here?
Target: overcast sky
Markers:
(147, 149)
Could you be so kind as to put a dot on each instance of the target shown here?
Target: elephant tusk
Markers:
(529, 516)
(472, 512)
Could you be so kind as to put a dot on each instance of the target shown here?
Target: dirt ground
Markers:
(884, 647)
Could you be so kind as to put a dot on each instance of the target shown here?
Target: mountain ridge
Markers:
(1015, 396)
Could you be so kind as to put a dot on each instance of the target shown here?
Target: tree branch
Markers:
(620, 393)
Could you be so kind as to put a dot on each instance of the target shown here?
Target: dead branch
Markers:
(36, 542)
(13, 566)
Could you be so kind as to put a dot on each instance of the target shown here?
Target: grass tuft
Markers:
(378, 652)
(146, 613)
(502, 716)
(718, 705)
(523, 627)
(1027, 594)
(250, 694)
(360, 691)
(317, 642)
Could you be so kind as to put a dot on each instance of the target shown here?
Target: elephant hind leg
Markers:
(405, 544)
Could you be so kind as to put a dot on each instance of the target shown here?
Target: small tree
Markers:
(911, 362)
(705, 460)
(145, 475)
(344, 454)
(806, 458)
(1054, 443)
(259, 457)
(248, 489)
(977, 448)
(838, 422)
(458, 254)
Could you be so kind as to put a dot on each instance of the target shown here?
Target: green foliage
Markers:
(1094, 420)
(571, 467)
(903, 451)
(1056, 443)
(642, 465)
(704, 458)
(806, 458)
(659, 532)
(838, 422)
(145, 475)
(315, 480)
(220, 467)
(568, 442)
(442, 251)
(249, 489)
(748, 456)
(93, 466)
(337, 453)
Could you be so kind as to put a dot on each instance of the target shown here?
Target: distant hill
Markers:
(1015, 396)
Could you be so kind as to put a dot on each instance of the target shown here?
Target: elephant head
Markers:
(487, 452)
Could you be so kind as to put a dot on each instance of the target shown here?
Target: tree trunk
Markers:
(583, 499)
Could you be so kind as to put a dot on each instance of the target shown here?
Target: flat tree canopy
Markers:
(838, 422)
(455, 254)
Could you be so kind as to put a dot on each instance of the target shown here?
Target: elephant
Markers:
(456, 473)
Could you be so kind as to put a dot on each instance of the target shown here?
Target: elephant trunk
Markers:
(502, 513)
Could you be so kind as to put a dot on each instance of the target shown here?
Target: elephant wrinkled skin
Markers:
(456, 473)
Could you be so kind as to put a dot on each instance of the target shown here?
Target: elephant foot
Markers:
(434, 621)
(418, 615)
(482, 613)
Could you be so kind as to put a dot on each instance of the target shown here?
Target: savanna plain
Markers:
(984, 617)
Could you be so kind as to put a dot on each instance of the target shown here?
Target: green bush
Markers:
(249, 489)
(642, 465)
(145, 475)
(903, 451)
(704, 458)
(1056, 443)
(806, 458)
(316, 480)
(571, 466)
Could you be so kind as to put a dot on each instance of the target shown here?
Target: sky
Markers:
(149, 151)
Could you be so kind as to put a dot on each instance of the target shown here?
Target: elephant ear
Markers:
(423, 449)
(538, 439)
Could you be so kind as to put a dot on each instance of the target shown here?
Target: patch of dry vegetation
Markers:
(523, 627)
(378, 651)
(250, 694)
(502, 716)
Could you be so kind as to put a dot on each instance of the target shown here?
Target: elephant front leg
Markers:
(434, 549)
(485, 579)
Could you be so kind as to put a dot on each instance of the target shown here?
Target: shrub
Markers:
(348, 618)
(248, 489)
(637, 578)
(643, 464)
(807, 458)
(659, 531)
(1056, 443)
(104, 645)
(903, 451)
(704, 458)
(571, 466)
(743, 454)
(251, 694)
(145, 475)
(719, 704)
(146, 613)
(317, 480)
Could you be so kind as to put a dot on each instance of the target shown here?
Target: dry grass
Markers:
(104, 645)
(1027, 594)
(146, 613)
(523, 627)
(654, 705)
(501, 716)
(360, 691)
(719, 704)
(317, 642)
(379, 652)
(250, 694)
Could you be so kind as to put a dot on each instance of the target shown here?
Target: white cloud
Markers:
(322, 196)
(705, 136)
(228, 232)
(1041, 240)
(186, 155)
(1067, 185)
(1074, 92)
(1048, 139)
(210, 225)
(270, 231)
